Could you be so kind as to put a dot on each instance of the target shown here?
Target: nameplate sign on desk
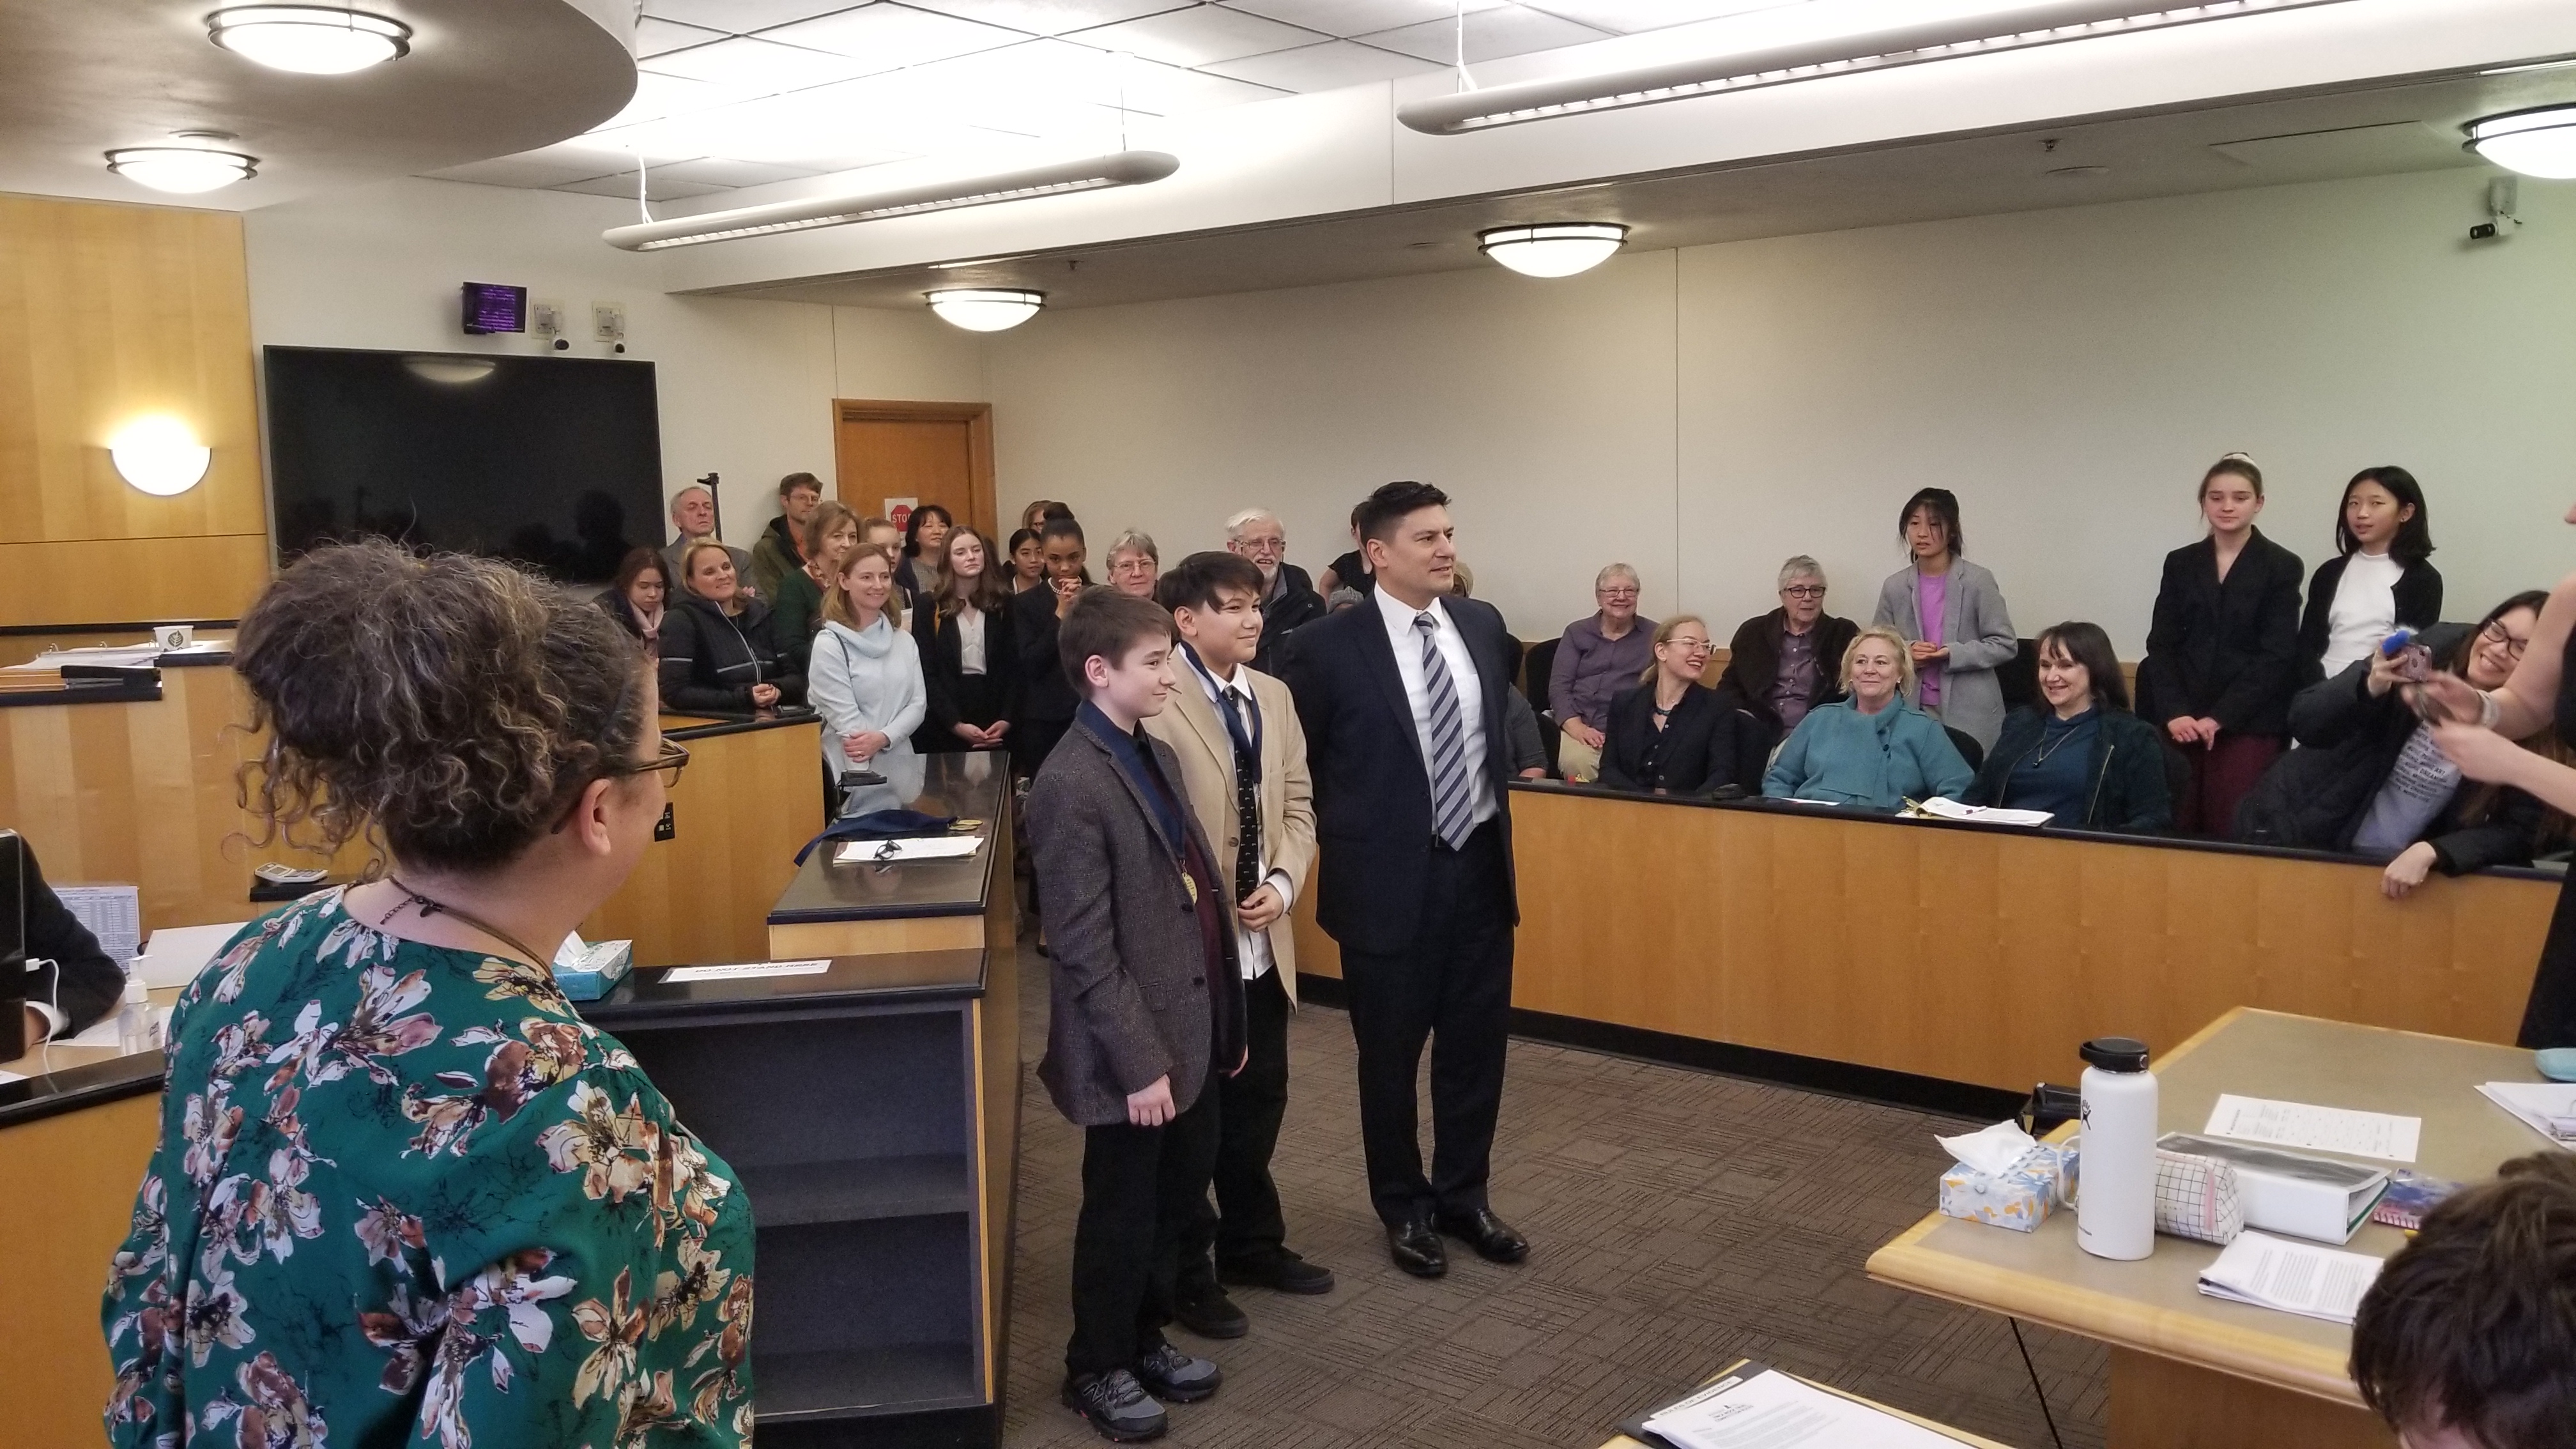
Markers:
(746, 969)
(2315, 1129)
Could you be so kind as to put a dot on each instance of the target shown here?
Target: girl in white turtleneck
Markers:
(865, 676)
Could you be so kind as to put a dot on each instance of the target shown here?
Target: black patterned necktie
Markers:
(1453, 796)
(1247, 793)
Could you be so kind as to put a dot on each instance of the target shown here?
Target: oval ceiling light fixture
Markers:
(200, 166)
(985, 309)
(159, 455)
(1553, 249)
(2538, 142)
(309, 39)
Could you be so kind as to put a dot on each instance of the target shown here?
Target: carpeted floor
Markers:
(1678, 1220)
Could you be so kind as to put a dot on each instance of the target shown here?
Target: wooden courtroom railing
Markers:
(1974, 954)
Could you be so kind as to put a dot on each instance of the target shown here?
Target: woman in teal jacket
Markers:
(2081, 756)
(1870, 750)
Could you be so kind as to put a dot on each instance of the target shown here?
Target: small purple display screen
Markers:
(494, 307)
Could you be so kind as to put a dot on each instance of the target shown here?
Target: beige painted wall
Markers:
(1705, 413)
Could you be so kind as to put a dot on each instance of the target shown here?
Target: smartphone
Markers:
(2408, 659)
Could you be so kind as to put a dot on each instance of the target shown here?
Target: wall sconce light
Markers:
(159, 455)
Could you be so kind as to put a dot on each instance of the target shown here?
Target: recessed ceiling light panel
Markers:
(2537, 142)
(309, 39)
(1553, 249)
(985, 309)
(185, 170)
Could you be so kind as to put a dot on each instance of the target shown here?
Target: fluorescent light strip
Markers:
(2038, 25)
(1124, 168)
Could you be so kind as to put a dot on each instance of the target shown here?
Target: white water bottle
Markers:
(2115, 1213)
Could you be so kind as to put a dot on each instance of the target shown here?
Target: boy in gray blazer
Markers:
(1146, 1006)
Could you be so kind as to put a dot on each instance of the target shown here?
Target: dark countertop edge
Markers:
(834, 915)
(84, 694)
(138, 626)
(734, 725)
(759, 995)
(2044, 832)
(74, 1088)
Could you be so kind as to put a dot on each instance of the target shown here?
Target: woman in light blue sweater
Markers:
(865, 674)
(1871, 750)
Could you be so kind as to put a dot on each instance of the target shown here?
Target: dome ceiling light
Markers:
(200, 165)
(1553, 249)
(985, 309)
(309, 39)
(2538, 142)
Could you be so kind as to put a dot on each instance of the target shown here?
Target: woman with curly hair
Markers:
(400, 1185)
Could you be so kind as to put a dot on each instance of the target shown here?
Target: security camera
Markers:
(563, 344)
(621, 347)
(2483, 231)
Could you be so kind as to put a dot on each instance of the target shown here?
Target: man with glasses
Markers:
(1288, 596)
(1596, 659)
(1786, 662)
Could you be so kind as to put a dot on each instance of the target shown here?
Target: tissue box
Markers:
(598, 967)
(2018, 1199)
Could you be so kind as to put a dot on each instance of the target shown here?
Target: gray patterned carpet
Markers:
(1679, 1220)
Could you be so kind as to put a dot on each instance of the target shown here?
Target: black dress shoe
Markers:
(1203, 1309)
(1415, 1246)
(1282, 1272)
(1491, 1237)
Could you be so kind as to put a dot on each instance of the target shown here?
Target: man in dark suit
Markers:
(1145, 1011)
(1402, 701)
(1288, 597)
(72, 984)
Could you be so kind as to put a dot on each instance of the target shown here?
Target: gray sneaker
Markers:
(1115, 1406)
(1175, 1377)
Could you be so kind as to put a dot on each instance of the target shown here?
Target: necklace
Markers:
(429, 907)
(2053, 746)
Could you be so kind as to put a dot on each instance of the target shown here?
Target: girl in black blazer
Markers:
(1669, 735)
(968, 709)
(2223, 652)
(2379, 579)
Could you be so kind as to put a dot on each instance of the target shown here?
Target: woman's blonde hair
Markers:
(1663, 635)
(836, 599)
(829, 514)
(1893, 640)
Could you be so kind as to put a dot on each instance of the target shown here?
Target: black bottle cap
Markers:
(2115, 1054)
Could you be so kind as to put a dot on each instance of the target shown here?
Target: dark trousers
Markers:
(1454, 987)
(2222, 775)
(1140, 1188)
(1245, 1225)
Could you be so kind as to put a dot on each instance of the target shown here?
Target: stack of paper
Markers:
(2275, 1273)
(2315, 1129)
(1762, 1408)
(891, 852)
(1982, 814)
(2548, 1108)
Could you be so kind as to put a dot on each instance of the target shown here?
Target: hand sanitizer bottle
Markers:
(2115, 1213)
(136, 1031)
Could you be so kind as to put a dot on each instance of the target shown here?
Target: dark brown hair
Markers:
(1943, 505)
(2414, 540)
(2236, 464)
(1106, 623)
(829, 514)
(636, 564)
(1193, 582)
(794, 481)
(455, 705)
(2472, 1325)
(912, 529)
(2089, 646)
(988, 592)
(1380, 512)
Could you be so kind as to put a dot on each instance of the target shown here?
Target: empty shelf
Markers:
(792, 1194)
(896, 1379)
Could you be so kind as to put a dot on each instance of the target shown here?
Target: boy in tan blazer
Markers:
(1243, 764)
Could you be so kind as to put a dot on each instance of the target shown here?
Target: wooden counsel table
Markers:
(2186, 1368)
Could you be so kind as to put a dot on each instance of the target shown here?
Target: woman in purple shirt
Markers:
(1596, 659)
(1952, 617)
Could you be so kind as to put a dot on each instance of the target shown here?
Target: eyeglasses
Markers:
(1804, 591)
(1615, 594)
(673, 757)
(2513, 647)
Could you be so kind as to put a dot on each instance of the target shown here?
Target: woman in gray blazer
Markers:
(1956, 655)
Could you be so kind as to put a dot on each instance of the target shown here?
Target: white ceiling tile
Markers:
(821, 129)
(737, 17)
(656, 188)
(749, 67)
(1329, 66)
(1627, 17)
(1196, 36)
(1491, 35)
(663, 95)
(1166, 90)
(1049, 17)
(1357, 17)
(720, 172)
(656, 37)
(888, 37)
(522, 171)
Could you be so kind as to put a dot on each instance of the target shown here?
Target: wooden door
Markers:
(892, 454)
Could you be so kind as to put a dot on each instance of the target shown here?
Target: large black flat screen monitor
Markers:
(551, 461)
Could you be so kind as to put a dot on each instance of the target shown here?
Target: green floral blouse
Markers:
(404, 1195)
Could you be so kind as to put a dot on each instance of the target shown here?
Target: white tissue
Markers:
(1990, 1150)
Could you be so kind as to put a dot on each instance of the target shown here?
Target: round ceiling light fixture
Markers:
(309, 39)
(201, 165)
(1553, 249)
(2538, 142)
(159, 455)
(985, 309)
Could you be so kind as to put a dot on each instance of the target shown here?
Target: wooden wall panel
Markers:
(109, 312)
(55, 1240)
(742, 808)
(1975, 956)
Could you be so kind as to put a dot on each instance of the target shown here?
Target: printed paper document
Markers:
(2315, 1129)
(2548, 1108)
(2299, 1278)
(747, 968)
(1761, 1408)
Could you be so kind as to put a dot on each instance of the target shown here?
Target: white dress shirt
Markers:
(2364, 610)
(1462, 676)
(1232, 695)
(970, 640)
